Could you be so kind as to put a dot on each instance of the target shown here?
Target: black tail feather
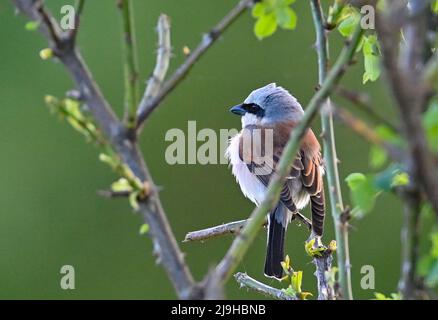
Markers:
(276, 236)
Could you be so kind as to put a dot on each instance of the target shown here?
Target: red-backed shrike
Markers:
(272, 111)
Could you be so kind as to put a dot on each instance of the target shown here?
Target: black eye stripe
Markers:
(254, 109)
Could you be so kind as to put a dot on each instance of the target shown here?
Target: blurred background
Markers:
(50, 215)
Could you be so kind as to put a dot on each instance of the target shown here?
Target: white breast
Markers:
(251, 187)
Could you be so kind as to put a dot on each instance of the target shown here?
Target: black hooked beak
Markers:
(239, 110)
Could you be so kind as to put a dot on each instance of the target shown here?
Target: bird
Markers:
(271, 111)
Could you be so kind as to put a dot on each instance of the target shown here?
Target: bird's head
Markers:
(269, 105)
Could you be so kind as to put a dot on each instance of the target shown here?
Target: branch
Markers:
(163, 58)
(230, 228)
(213, 232)
(151, 210)
(243, 241)
(407, 87)
(323, 266)
(147, 106)
(246, 281)
(362, 102)
(361, 128)
(331, 160)
(131, 64)
(409, 283)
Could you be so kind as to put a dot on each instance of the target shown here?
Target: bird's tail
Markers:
(276, 235)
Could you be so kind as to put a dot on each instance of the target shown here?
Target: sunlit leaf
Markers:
(32, 25)
(286, 18)
(144, 229)
(265, 26)
(378, 157)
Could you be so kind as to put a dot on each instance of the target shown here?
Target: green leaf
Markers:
(265, 26)
(296, 281)
(32, 25)
(350, 19)
(371, 59)
(430, 123)
(393, 176)
(133, 200)
(286, 18)
(144, 229)
(354, 180)
(258, 10)
(378, 157)
(435, 6)
(121, 185)
(400, 179)
(432, 277)
(389, 135)
(363, 192)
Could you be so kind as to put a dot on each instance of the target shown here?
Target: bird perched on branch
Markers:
(269, 115)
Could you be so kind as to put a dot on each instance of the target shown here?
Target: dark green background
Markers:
(49, 212)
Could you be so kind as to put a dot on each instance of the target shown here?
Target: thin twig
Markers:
(246, 281)
(362, 129)
(113, 194)
(213, 232)
(163, 58)
(362, 102)
(330, 158)
(130, 64)
(147, 106)
(230, 228)
(243, 241)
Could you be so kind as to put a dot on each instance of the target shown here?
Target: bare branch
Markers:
(323, 266)
(163, 58)
(213, 232)
(147, 106)
(246, 281)
(230, 228)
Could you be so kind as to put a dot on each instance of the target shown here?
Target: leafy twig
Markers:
(151, 210)
(246, 281)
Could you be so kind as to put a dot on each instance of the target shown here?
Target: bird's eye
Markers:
(253, 108)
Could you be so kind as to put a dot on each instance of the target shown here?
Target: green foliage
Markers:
(347, 21)
(70, 110)
(364, 189)
(435, 6)
(381, 296)
(428, 266)
(430, 123)
(144, 229)
(32, 25)
(377, 157)
(371, 59)
(295, 279)
(271, 14)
